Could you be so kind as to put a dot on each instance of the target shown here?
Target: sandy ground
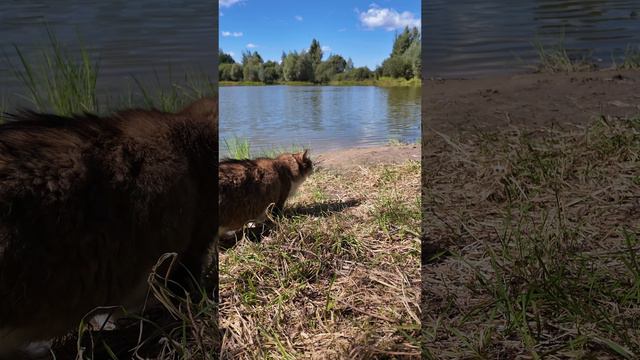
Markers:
(528, 99)
(367, 156)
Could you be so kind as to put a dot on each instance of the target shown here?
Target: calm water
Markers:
(321, 117)
(469, 38)
(128, 37)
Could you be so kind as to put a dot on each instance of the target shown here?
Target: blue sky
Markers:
(361, 30)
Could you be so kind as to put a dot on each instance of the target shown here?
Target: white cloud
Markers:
(298, 17)
(387, 18)
(325, 48)
(342, 30)
(231, 53)
(228, 3)
(252, 46)
(234, 34)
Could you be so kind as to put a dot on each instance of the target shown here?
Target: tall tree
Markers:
(315, 52)
(224, 58)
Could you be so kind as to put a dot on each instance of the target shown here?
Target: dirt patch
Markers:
(529, 99)
(379, 155)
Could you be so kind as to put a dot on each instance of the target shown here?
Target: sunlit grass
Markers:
(335, 277)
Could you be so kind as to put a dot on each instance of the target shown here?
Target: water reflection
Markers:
(322, 117)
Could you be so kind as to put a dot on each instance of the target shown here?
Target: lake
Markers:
(127, 37)
(320, 117)
(470, 38)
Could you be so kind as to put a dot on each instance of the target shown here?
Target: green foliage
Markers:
(397, 67)
(307, 66)
(224, 58)
(270, 72)
(327, 70)
(405, 60)
(62, 83)
(251, 65)
(361, 73)
(289, 65)
(304, 68)
(315, 52)
(236, 72)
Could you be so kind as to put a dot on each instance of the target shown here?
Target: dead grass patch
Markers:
(542, 229)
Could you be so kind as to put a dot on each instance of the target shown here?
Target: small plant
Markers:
(238, 148)
(631, 60)
(62, 83)
(556, 58)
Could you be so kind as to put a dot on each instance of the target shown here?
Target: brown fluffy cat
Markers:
(248, 187)
(88, 205)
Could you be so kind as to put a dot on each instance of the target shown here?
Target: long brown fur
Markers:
(248, 187)
(88, 205)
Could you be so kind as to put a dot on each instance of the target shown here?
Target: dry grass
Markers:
(173, 324)
(337, 277)
(541, 233)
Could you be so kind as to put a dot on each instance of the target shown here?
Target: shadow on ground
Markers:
(256, 233)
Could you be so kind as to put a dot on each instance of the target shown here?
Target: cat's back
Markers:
(246, 188)
(247, 174)
(79, 198)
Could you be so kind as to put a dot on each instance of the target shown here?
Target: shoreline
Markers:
(389, 154)
(382, 82)
(529, 100)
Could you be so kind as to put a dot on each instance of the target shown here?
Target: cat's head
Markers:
(305, 165)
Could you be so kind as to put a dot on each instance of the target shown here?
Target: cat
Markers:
(88, 204)
(248, 187)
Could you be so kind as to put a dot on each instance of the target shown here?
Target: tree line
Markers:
(308, 65)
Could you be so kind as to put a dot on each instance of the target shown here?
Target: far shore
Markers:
(381, 82)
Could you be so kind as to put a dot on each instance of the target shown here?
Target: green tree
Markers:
(349, 65)
(327, 70)
(304, 67)
(236, 73)
(224, 71)
(289, 66)
(402, 42)
(397, 67)
(251, 65)
(315, 53)
(224, 58)
(405, 60)
(269, 72)
(360, 73)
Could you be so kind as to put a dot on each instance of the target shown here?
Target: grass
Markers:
(240, 148)
(382, 82)
(336, 277)
(631, 59)
(62, 83)
(171, 326)
(556, 58)
(541, 240)
(66, 84)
